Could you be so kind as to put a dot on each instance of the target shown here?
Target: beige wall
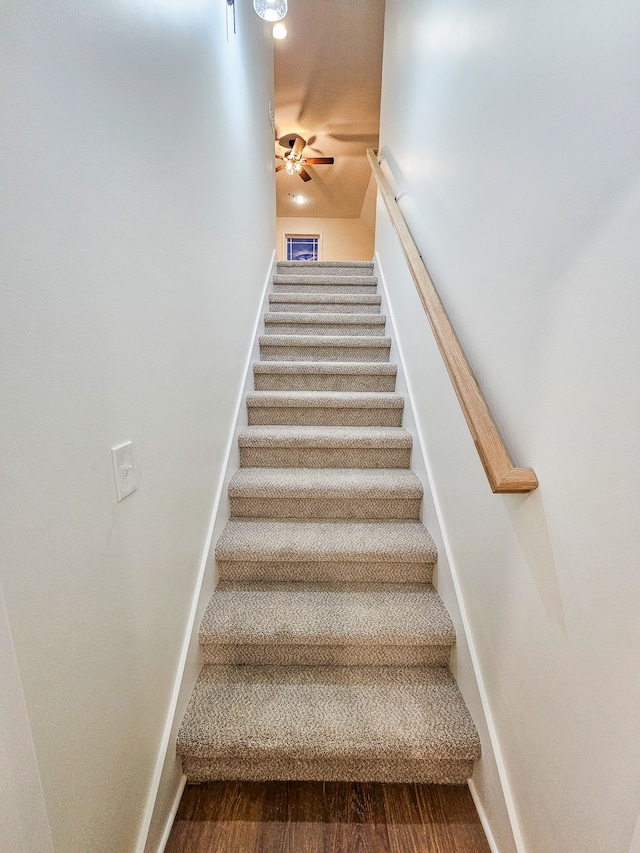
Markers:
(128, 300)
(341, 239)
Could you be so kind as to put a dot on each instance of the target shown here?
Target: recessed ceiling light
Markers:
(279, 31)
(299, 199)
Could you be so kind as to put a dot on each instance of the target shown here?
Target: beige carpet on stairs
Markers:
(325, 645)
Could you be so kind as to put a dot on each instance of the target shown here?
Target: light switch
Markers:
(124, 469)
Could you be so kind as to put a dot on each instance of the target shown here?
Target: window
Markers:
(302, 247)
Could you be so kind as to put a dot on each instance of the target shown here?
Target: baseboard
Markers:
(173, 703)
(172, 815)
(473, 653)
(481, 814)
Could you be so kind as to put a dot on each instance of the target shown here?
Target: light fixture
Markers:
(279, 31)
(299, 199)
(270, 10)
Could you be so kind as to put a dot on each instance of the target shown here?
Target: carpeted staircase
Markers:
(325, 645)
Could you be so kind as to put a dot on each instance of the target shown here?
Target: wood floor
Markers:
(329, 817)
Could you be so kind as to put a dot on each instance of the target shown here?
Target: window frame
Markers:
(297, 235)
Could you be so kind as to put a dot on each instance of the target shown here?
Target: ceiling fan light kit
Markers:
(293, 161)
(270, 10)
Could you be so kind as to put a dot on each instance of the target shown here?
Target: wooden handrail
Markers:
(502, 475)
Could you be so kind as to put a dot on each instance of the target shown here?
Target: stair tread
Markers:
(326, 399)
(301, 278)
(343, 367)
(293, 712)
(325, 436)
(327, 319)
(324, 264)
(326, 541)
(326, 614)
(326, 298)
(339, 341)
(356, 483)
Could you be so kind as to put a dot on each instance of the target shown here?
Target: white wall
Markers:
(341, 239)
(368, 211)
(24, 827)
(133, 261)
(485, 787)
(512, 134)
(171, 780)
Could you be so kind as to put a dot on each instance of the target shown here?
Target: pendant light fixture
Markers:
(270, 10)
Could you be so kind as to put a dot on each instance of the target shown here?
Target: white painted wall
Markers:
(485, 786)
(165, 800)
(24, 827)
(133, 262)
(512, 133)
(341, 239)
(368, 211)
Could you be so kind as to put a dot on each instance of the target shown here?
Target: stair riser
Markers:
(251, 767)
(281, 352)
(281, 269)
(352, 507)
(308, 655)
(324, 308)
(300, 277)
(323, 287)
(341, 329)
(324, 571)
(320, 457)
(323, 382)
(290, 416)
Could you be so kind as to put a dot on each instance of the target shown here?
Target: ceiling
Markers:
(327, 89)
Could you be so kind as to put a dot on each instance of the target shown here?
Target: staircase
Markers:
(325, 645)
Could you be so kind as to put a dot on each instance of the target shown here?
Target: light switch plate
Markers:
(124, 469)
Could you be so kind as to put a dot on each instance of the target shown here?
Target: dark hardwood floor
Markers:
(329, 817)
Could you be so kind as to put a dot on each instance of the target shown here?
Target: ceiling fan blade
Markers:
(298, 145)
(304, 175)
(368, 139)
(317, 161)
(278, 168)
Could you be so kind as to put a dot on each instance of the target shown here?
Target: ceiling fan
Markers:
(293, 161)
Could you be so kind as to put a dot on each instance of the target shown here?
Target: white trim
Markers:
(493, 846)
(166, 735)
(172, 814)
(495, 744)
